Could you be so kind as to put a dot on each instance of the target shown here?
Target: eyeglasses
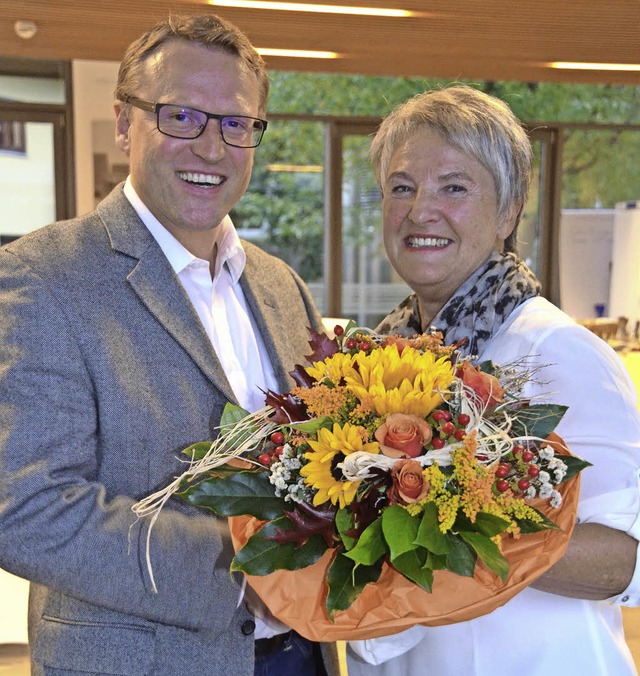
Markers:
(240, 131)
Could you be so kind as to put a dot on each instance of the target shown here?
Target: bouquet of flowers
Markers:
(392, 456)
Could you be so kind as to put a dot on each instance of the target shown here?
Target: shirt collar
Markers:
(230, 250)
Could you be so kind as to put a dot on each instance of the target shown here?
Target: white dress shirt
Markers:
(222, 308)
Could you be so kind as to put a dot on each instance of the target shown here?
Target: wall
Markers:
(93, 85)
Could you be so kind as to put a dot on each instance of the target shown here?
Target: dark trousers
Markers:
(292, 656)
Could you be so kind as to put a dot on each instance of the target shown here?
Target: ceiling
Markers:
(468, 39)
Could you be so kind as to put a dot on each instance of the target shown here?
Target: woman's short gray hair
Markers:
(473, 122)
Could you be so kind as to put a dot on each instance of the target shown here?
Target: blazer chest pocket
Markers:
(94, 648)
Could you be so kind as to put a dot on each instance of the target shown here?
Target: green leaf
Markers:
(538, 420)
(261, 556)
(197, 451)
(346, 579)
(237, 493)
(412, 565)
(528, 526)
(370, 546)
(489, 552)
(312, 426)
(429, 534)
(344, 522)
(461, 558)
(234, 437)
(400, 530)
(436, 561)
(574, 465)
(490, 524)
(232, 415)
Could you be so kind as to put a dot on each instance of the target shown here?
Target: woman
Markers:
(454, 167)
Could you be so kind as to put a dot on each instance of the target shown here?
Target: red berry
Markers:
(517, 450)
(502, 471)
(277, 437)
(523, 484)
(448, 428)
(350, 343)
(447, 415)
(439, 416)
(502, 485)
(338, 330)
(463, 419)
(365, 346)
(438, 442)
(459, 434)
(527, 456)
(533, 470)
(277, 451)
(264, 459)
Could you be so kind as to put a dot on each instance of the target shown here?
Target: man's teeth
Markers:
(427, 241)
(199, 179)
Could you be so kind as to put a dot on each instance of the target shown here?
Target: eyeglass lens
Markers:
(189, 123)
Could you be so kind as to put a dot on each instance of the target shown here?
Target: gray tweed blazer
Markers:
(106, 373)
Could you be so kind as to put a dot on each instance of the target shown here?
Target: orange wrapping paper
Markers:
(394, 603)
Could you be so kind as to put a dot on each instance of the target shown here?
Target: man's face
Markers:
(189, 185)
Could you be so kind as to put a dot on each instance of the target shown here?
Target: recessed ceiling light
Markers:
(305, 7)
(578, 65)
(297, 53)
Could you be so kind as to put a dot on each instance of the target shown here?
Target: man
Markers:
(124, 333)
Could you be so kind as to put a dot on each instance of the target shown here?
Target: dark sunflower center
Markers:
(335, 472)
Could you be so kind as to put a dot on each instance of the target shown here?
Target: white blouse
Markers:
(536, 633)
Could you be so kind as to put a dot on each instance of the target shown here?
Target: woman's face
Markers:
(440, 220)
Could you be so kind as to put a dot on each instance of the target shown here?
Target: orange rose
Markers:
(403, 436)
(409, 485)
(483, 384)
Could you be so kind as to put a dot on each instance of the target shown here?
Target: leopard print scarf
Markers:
(477, 309)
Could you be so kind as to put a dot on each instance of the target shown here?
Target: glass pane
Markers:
(27, 188)
(600, 168)
(32, 89)
(283, 209)
(370, 286)
(530, 228)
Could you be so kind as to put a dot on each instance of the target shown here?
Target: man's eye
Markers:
(235, 124)
(182, 116)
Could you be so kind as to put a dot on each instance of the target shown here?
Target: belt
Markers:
(267, 646)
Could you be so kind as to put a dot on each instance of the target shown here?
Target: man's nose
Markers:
(210, 145)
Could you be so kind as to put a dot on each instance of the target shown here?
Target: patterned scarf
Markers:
(477, 309)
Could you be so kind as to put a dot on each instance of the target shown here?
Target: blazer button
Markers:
(248, 627)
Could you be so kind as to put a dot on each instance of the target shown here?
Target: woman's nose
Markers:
(424, 207)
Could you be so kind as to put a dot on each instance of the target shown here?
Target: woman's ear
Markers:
(508, 222)
(123, 126)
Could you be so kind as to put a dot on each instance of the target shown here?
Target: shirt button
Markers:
(625, 599)
(248, 627)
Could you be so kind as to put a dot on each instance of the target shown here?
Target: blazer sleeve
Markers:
(61, 525)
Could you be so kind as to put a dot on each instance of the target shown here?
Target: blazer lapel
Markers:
(264, 304)
(154, 281)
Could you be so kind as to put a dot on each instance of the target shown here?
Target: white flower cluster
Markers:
(284, 476)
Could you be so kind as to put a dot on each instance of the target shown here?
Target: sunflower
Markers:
(335, 368)
(321, 472)
(412, 382)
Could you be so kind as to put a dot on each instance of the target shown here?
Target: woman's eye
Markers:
(455, 188)
(400, 189)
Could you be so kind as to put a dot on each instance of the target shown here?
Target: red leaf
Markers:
(321, 345)
(287, 408)
(307, 520)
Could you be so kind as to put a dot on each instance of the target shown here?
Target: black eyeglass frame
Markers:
(152, 107)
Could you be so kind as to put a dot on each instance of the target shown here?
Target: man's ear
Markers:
(123, 126)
